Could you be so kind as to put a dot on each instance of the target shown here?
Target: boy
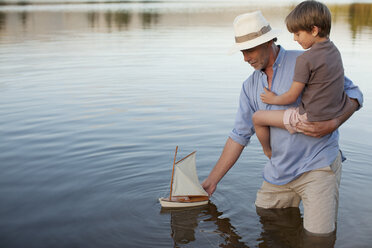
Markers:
(319, 75)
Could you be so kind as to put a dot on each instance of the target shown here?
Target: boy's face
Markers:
(304, 38)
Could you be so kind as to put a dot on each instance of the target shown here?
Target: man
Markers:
(304, 166)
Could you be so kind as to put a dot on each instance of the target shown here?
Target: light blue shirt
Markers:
(292, 154)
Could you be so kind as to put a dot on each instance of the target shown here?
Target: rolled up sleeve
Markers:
(353, 91)
(243, 127)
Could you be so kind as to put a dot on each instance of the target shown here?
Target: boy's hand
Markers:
(268, 97)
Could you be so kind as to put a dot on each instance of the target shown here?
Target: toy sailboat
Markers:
(185, 189)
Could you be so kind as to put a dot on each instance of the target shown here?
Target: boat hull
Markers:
(165, 203)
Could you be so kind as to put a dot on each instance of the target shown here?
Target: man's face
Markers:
(258, 56)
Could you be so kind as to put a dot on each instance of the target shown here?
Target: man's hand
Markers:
(209, 187)
(318, 129)
(321, 128)
(268, 97)
(230, 154)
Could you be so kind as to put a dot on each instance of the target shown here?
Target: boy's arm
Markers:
(287, 98)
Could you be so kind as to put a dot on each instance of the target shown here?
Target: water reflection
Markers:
(111, 19)
(186, 222)
(284, 228)
(122, 19)
(149, 19)
(280, 228)
(23, 17)
(357, 15)
(2, 20)
(360, 16)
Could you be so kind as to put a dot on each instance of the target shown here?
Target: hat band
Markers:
(254, 35)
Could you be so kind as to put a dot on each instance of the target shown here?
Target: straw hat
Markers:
(252, 29)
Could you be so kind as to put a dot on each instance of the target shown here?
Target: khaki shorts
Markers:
(291, 118)
(318, 190)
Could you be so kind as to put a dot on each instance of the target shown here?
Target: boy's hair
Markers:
(308, 14)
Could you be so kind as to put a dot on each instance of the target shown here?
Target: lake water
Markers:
(95, 97)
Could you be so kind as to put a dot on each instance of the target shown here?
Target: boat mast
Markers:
(171, 186)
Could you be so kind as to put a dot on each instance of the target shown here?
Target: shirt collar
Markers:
(278, 60)
(280, 57)
(322, 43)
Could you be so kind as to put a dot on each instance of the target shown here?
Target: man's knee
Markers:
(320, 200)
(271, 196)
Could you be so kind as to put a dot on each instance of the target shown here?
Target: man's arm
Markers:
(229, 156)
(320, 128)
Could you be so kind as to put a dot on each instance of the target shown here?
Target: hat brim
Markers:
(255, 42)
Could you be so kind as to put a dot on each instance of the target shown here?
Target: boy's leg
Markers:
(291, 118)
(262, 120)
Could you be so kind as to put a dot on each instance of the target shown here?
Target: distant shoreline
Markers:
(67, 2)
(23, 3)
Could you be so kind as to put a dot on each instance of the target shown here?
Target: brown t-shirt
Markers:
(320, 68)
